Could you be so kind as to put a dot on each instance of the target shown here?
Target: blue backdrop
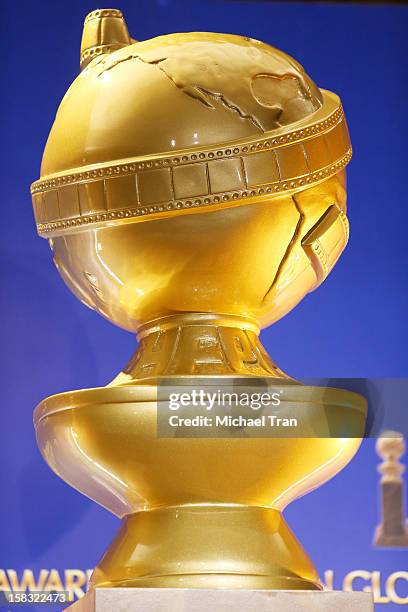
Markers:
(355, 325)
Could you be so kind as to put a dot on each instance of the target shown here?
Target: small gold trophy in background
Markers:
(193, 191)
(392, 532)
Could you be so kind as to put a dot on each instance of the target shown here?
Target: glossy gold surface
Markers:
(112, 433)
(193, 503)
(256, 260)
(258, 550)
(193, 192)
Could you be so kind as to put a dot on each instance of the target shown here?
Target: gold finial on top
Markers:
(105, 30)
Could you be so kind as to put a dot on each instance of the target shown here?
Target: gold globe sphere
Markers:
(194, 173)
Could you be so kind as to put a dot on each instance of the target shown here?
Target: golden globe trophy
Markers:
(193, 191)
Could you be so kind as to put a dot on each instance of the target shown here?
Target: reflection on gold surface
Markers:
(193, 192)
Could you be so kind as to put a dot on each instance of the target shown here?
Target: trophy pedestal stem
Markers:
(198, 344)
(206, 546)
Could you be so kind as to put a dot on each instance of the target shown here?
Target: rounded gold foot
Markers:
(206, 546)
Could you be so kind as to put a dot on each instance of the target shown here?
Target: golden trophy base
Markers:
(179, 547)
(225, 600)
(197, 512)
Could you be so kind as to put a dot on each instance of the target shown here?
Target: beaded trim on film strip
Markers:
(194, 178)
